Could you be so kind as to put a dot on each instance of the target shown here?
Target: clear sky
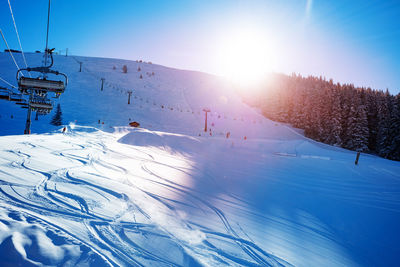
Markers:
(350, 41)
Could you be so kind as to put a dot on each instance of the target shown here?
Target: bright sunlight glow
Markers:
(245, 57)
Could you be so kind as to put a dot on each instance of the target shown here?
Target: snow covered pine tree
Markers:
(57, 118)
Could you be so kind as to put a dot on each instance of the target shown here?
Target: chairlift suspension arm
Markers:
(45, 69)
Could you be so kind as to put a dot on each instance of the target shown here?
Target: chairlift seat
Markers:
(39, 112)
(41, 84)
(41, 106)
(42, 111)
(16, 97)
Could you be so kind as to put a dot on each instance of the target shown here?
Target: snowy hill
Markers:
(161, 195)
(170, 100)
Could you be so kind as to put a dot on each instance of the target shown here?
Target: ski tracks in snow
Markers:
(115, 206)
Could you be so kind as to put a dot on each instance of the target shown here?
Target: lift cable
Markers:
(9, 50)
(1, 79)
(16, 31)
(47, 36)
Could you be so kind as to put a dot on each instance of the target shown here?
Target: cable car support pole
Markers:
(206, 110)
(28, 117)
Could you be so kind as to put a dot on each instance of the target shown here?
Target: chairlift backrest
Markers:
(41, 84)
(5, 96)
(41, 105)
(15, 97)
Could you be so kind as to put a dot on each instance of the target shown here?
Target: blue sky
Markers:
(350, 41)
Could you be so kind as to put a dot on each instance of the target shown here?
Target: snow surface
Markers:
(161, 195)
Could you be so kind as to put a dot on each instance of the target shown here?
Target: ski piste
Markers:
(168, 193)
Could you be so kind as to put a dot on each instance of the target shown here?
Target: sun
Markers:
(244, 57)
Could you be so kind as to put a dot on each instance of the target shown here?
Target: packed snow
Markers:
(169, 193)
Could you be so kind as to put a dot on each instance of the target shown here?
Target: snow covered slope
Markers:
(170, 100)
(162, 195)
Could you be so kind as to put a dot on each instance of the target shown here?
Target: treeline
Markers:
(359, 119)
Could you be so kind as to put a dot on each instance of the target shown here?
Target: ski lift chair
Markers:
(43, 111)
(5, 95)
(21, 103)
(42, 85)
(16, 97)
(41, 105)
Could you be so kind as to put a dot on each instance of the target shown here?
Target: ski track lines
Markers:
(127, 205)
(246, 248)
(185, 190)
(50, 199)
(44, 201)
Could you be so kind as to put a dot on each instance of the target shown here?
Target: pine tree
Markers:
(372, 116)
(313, 127)
(335, 118)
(384, 113)
(350, 123)
(57, 118)
(357, 126)
(394, 131)
(346, 103)
(361, 133)
(326, 99)
(298, 113)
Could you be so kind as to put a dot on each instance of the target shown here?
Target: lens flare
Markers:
(245, 58)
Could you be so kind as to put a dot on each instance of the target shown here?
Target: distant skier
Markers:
(228, 134)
